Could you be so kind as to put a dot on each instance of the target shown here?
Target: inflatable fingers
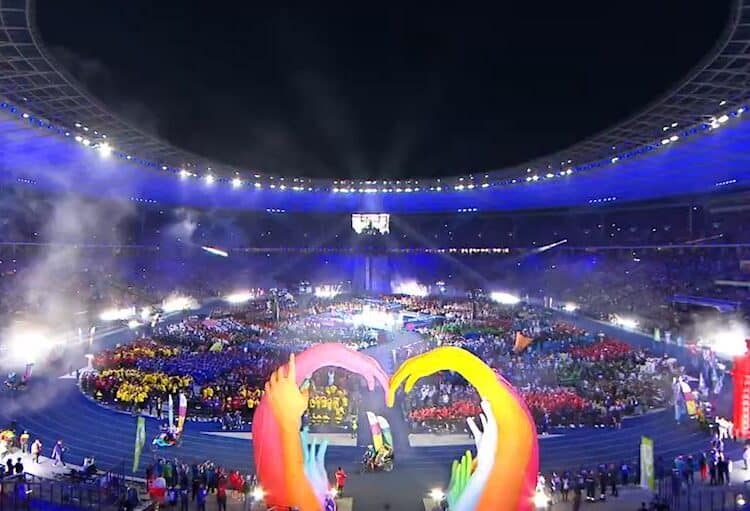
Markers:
(486, 442)
(460, 475)
(505, 486)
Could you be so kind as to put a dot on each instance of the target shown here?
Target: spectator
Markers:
(340, 480)
(57, 453)
(36, 450)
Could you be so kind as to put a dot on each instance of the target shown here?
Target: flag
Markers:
(679, 401)
(181, 413)
(690, 406)
(522, 342)
(140, 441)
(385, 428)
(377, 434)
(647, 464)
(171, 411)
(91, 335)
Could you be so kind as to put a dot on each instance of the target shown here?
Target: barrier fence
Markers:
(681, 497)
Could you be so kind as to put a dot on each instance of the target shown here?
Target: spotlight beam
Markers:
(216, 251)
(550, 246)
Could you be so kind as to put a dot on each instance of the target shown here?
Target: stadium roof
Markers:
(685, 142)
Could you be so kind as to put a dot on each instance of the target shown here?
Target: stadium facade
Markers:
(57, 137)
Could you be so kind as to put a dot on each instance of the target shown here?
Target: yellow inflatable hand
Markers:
(515, 454)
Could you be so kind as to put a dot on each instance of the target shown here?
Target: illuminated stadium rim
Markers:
(34, 85)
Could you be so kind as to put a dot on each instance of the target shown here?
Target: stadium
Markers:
(157, 295)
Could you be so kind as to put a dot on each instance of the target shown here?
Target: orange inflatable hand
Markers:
(288, 402)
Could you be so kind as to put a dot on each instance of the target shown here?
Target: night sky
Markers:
(378, 90)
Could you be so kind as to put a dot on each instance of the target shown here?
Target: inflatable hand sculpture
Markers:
(276, 437)
(292, 471)
(460, 475)
(486, 444)
(315, 468)
(288, 404)
(504, 486)
(287, 400)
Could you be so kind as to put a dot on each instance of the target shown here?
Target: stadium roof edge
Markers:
(31, 79)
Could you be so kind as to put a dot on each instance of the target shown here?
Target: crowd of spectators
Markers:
(677, 477)
(648, 285)
(568, 377)
(635, 281)
(194, 483)
(221, 365)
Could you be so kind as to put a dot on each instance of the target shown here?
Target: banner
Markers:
(741, 383)
(140, 441)
(647, 464)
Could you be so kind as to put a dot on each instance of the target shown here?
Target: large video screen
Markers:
(371, 223)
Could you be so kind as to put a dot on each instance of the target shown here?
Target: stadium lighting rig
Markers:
(240, 297)
(409, 288)
(625, 322)
(570, 307)
(504, 298)
(176, 303)
(725, 338)
(29, 344)
(104, 149)
(91, 138)
(117, 314)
